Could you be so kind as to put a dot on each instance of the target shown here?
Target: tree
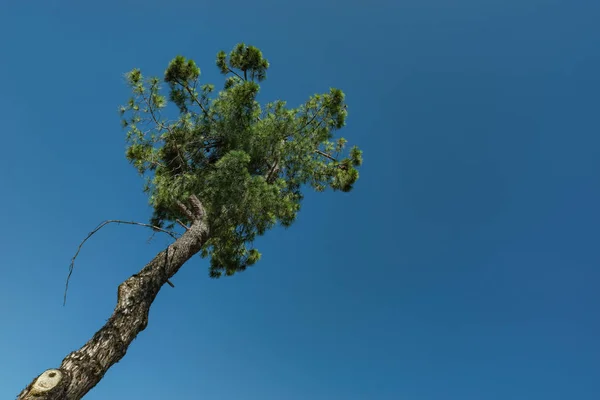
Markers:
(226, 170)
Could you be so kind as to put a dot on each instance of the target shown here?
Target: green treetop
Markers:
(246, 164)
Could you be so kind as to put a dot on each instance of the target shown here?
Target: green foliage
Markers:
(246, 163)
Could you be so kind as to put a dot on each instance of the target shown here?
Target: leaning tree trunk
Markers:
(81, 370)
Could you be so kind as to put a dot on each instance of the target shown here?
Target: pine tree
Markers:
(226, 170)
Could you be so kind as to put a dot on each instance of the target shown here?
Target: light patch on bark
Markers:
(47, 381)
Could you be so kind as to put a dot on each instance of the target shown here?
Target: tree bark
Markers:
(81, 370)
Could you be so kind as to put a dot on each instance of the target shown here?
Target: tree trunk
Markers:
(81, 370)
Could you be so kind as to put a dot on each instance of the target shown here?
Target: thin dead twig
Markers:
(184, 226)
(103, 224)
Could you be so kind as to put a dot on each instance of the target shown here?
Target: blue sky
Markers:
(463, 266)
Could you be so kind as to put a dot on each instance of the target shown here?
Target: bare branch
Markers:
(155, 119)
(194, 97)
(72, 265)
(186, 211)
(273, 170)
(151, 237)
(325, 155)
(184, 226)
(184, 161)
(235, 73)
(310, 121)
(198, 207)
(161, 126)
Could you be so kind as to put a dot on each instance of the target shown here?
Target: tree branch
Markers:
(83, 369)
(186, 211)
(309, 121)
(148, 102)
(235, 73)
(198, 207)
(103, 224)
(325, 155)
(182, 225)
(194, 97)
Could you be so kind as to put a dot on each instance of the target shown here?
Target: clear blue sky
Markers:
(463, 266)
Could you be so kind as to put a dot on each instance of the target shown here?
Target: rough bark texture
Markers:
(81, 370)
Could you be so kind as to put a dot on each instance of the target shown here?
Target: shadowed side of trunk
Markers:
(81, 370)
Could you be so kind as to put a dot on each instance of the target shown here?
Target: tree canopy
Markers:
(246, 163)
